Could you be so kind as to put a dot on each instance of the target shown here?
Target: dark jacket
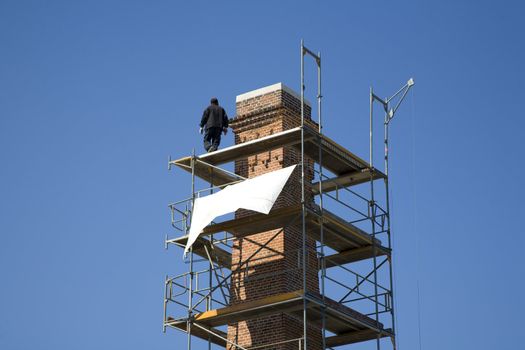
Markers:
(214, 116)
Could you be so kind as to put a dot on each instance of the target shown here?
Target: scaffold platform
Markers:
(349, 169)
(347, 325)
(351, 243)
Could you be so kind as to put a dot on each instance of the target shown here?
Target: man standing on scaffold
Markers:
(214, 121)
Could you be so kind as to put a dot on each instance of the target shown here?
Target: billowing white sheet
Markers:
(257, 194)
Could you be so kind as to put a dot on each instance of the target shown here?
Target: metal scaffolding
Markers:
(349, 221)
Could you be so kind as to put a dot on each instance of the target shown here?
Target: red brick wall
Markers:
(275, 269)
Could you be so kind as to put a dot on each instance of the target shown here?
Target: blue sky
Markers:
(94, 97)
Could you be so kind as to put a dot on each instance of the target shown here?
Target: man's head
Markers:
(214, 101)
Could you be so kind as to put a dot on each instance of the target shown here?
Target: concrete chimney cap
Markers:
(267, 90)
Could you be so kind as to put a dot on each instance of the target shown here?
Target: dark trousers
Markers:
(212, 139)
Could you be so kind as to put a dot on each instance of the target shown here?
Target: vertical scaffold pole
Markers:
(190, 291)
(303, 208)
(388, 230)
(321, 207)
(372, 211)
(210, 277)
(317, 57)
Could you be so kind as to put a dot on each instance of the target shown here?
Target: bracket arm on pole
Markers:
(379, 99)
(311, 53)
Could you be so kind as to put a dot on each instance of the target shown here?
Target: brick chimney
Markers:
(275, 269)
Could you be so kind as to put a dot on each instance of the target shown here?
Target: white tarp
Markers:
(257, 194)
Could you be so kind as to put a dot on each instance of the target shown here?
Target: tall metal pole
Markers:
(323, 261)
(389, 233)
(190, 291)
(303, 207)
(210, 265)
(372, 209)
